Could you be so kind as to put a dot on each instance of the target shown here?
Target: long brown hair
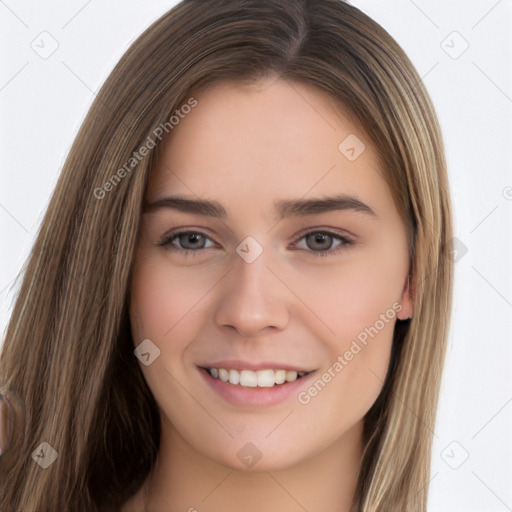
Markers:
(67, 363)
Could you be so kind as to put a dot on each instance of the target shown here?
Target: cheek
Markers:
(358, 361)
(358, 302)
(165, 297)
(166, 308)
(353, 295)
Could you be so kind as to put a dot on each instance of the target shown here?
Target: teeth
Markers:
(291, 376)
(247, 378)
(234, 377)
(265, 378)
(279, 376)
(251, 379)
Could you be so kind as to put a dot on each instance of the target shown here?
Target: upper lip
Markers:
(236, 364)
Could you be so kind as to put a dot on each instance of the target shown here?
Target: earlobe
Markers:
(407, 300)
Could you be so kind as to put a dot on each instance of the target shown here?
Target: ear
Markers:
(407, 299)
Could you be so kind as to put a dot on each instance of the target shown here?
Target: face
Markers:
(270, 250)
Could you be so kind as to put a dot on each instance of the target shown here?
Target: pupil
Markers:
(192, 239)
(323, 240)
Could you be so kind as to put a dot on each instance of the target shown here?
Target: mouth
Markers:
(250, 383)
(265, 378)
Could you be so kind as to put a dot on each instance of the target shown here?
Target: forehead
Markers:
(271, 140)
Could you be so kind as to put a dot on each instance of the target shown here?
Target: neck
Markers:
(183, 479)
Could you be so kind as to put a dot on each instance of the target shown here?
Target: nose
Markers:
(252, 300)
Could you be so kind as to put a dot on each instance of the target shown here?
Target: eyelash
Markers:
(168, 239)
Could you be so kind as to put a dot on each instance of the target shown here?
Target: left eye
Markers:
(319, 243)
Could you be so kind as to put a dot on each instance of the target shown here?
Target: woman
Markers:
(241, 290)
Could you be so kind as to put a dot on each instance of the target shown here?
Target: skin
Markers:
(247, 147)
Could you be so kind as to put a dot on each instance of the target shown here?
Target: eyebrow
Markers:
(285, 209)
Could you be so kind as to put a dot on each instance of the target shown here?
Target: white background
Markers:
(44, 100)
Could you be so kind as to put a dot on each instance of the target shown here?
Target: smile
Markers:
(250, 379)
(255, 384)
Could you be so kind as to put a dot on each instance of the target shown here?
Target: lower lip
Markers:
(254, 397)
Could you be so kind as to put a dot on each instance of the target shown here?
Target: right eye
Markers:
(185, 241)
